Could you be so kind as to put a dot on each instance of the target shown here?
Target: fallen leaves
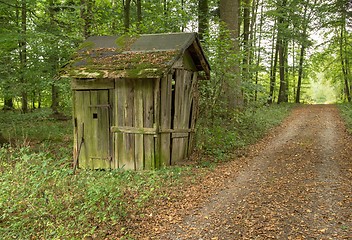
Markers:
(296, 186)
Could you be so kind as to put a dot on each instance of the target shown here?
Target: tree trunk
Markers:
(304, 39)
(126, 14)
(300, 74)
(87, 17)
(229, 15)
(203, 21)
(54, 99)
(282, 26)
(8, 103)
(259, 47)
(139, 15)
(273, 67)
(23, 54)
(344, 57)
(53, 60)
(246, 43)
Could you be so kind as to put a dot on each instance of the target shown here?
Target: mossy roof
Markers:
(144, 56)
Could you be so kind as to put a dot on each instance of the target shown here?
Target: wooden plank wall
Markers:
(182, 113)
(134, 116)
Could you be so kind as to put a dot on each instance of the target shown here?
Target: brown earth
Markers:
(296, 183)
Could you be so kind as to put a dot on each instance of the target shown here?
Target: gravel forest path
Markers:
(294, 184)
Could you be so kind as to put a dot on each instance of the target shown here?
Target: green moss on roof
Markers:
(139, 56)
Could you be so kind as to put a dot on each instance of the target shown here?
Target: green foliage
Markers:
(38, 126)
(346, 113)
(41, 197)
(228, 131)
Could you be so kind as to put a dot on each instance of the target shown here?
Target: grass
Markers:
(41, 197)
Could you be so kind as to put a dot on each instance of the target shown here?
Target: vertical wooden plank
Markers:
(177, 143)
(165, 119)
(129, 121)
(75, 130)
(193, 111)
(156, 124)
(138, 122)
(79, 114)
(148, 101)
(127, 151)
(103, 130)
(92, 128)
(113, 122)
(186, 109)
(83, 124)
(119, 118)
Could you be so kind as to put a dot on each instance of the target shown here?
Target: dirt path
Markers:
(295, 184)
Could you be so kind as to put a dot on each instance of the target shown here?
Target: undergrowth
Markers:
(219, 136)
(346, 113)
(42, 198)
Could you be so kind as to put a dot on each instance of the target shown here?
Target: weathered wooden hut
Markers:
(135, 99)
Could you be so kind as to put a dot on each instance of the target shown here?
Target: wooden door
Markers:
(92, 128)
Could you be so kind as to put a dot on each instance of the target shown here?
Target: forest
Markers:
(265, 55)
(260, 51)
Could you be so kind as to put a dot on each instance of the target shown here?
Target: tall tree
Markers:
(127, 15)
(258, 43)
(273, 65)
(305, 20)
(203, 20)
(139, 14)
(230, 16)
(87, 17)
(53, 60)
(22, 44)
(246, 43)
(343, 46)
(282, 50)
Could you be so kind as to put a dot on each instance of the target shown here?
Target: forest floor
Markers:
(296, 183)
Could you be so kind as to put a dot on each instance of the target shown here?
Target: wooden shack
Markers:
(135, 99)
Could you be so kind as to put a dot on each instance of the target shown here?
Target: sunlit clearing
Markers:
(321, 91)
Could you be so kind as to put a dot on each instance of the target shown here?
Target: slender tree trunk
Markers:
(53, 60)
(203, 21)
(8, 103)
(286, 73)
(39, 100)
(300, 74)
(165, 14)
(246, 34)
(33, 100)
(282, 90)
(282, 25)
(23, 54)
(273, 67)
(139, 15)
(344, 54)
(259, 47)
(306, 19)
(344, 66)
